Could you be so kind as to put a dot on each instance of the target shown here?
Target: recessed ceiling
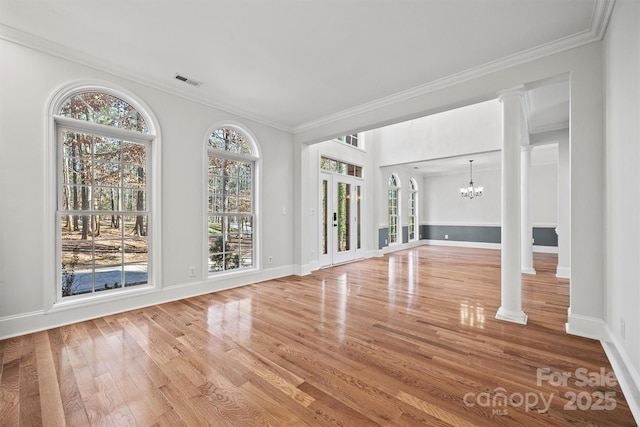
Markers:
(292, 63)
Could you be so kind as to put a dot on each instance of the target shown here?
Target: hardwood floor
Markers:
(406, 339)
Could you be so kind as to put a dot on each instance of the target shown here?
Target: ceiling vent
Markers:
(187, 80)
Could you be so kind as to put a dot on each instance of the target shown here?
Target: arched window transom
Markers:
(231, 140)
(104, 109)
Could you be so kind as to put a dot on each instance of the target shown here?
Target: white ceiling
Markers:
(546, 154)
(293, 63)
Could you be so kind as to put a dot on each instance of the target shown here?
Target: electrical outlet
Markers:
(446, 237)
(192, 271)
(270, 260)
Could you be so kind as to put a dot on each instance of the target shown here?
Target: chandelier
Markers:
(471, 192)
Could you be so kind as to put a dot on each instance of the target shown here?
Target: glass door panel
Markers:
(341, 210)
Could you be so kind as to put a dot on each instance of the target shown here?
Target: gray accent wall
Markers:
(383, 235)
(543, 236)
(461, 233)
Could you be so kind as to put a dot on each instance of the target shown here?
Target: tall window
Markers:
(413, 209)
(231, 204)
(394, 187)
(103, 207)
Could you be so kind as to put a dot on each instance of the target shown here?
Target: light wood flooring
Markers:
(408, 339)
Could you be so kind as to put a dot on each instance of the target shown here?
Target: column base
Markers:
(529, 270)
(511, 316)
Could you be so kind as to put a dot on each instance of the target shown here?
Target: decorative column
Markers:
(511, 284)
(527, 225)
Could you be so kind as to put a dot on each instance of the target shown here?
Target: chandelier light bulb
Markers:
(471, 192)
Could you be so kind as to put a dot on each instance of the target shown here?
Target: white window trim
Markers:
(256, 200)
(52, 301)
(413, 191)
(397, 187)
(360, 147)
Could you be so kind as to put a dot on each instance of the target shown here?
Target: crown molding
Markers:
(550, 128)
(48, 47)
(599, 20)
(602, 10)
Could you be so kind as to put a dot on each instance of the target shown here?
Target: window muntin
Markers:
(392, 197)
(413, 209)
(230, 141)
(104, 109)
(336, 166)
(231, 206)
(102, 209)
(349, 139)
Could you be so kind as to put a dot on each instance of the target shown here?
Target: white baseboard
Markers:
(563, 272)
(303, 270)
(401, 246)
(35, 321)
(545, 249)
(373, 253)
(482, 245)
(627, 375)
(585, 326)
(479, 245)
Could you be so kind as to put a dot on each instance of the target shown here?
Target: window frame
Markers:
(398, 225)
(57, 124)
(413, 210)
(255, 160)
(348, 140)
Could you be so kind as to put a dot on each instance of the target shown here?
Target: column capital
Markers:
(514, 91)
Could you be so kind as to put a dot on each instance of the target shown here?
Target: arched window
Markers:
(394, 214)
(231, 217)
(104, 203)
(413, 210)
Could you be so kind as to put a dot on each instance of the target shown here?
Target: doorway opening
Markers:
(341, 212)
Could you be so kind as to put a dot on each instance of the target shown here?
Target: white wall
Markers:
(28, 80)
(442, 204)
(473, 129)
(544, 195)
(622, 215)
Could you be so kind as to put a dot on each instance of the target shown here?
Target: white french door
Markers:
(341, 213)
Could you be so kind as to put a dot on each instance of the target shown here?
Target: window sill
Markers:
(101, 298)
(232, 273)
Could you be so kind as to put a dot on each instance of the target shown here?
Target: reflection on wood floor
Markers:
(405, 339)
